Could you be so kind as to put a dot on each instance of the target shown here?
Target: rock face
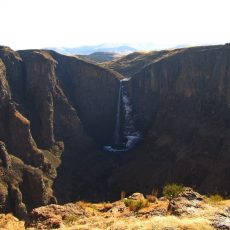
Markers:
(137, 196)
(186, 203)
(4, 156)
(52, 216)
(51, 103)
(182, 105)
(222, 220)
(93, 92)
(46, 100)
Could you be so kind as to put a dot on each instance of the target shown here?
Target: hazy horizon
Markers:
(161, 23)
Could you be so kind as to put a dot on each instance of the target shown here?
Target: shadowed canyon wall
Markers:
(182, 104)
(38, 118)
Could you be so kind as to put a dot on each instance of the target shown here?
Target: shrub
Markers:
(135, 205)
(172, 190)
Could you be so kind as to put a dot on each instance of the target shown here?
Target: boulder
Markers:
(190, 194)
(222, 220)
(136, 196)
(186, 203)
(52, 216)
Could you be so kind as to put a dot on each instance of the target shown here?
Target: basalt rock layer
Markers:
(48, 100)
(182, 102)
(51, 103)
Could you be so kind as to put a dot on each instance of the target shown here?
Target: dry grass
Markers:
(70, 220)
(97, 217)
(160, 223)
(214, 199)
(133, 223)
(135, 205)
(200, 220)
(9, 222)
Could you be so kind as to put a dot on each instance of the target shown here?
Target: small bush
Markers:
(172, 190)
(135, 205)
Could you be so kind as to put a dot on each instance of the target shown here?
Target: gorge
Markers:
(77, 130)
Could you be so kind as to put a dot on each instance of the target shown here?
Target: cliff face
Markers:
(51, 103)
(196, 77)
(16, 138)
(36, 117)
(93, 91)
(182, 104)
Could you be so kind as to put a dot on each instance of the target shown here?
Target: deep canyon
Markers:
(74, 130)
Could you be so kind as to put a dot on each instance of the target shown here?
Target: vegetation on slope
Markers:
(188, 210)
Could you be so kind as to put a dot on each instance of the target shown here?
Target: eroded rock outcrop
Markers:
(16, 202)
(53, 216)
(186, 203)
(15, 131)
(17, 187)
(40, 86)
(39, 114)
(4, 156)
(222, 220)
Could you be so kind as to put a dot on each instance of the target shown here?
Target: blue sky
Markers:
(71, 23)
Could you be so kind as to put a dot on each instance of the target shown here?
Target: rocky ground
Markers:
(188, 211)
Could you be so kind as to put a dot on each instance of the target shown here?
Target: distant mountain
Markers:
(100, 57)
(86, 50)
(130, 64)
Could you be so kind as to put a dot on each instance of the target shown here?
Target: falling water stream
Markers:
(126, 135)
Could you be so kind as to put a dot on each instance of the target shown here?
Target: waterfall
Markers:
(126, 136)
(117, 137)
(131, 134)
